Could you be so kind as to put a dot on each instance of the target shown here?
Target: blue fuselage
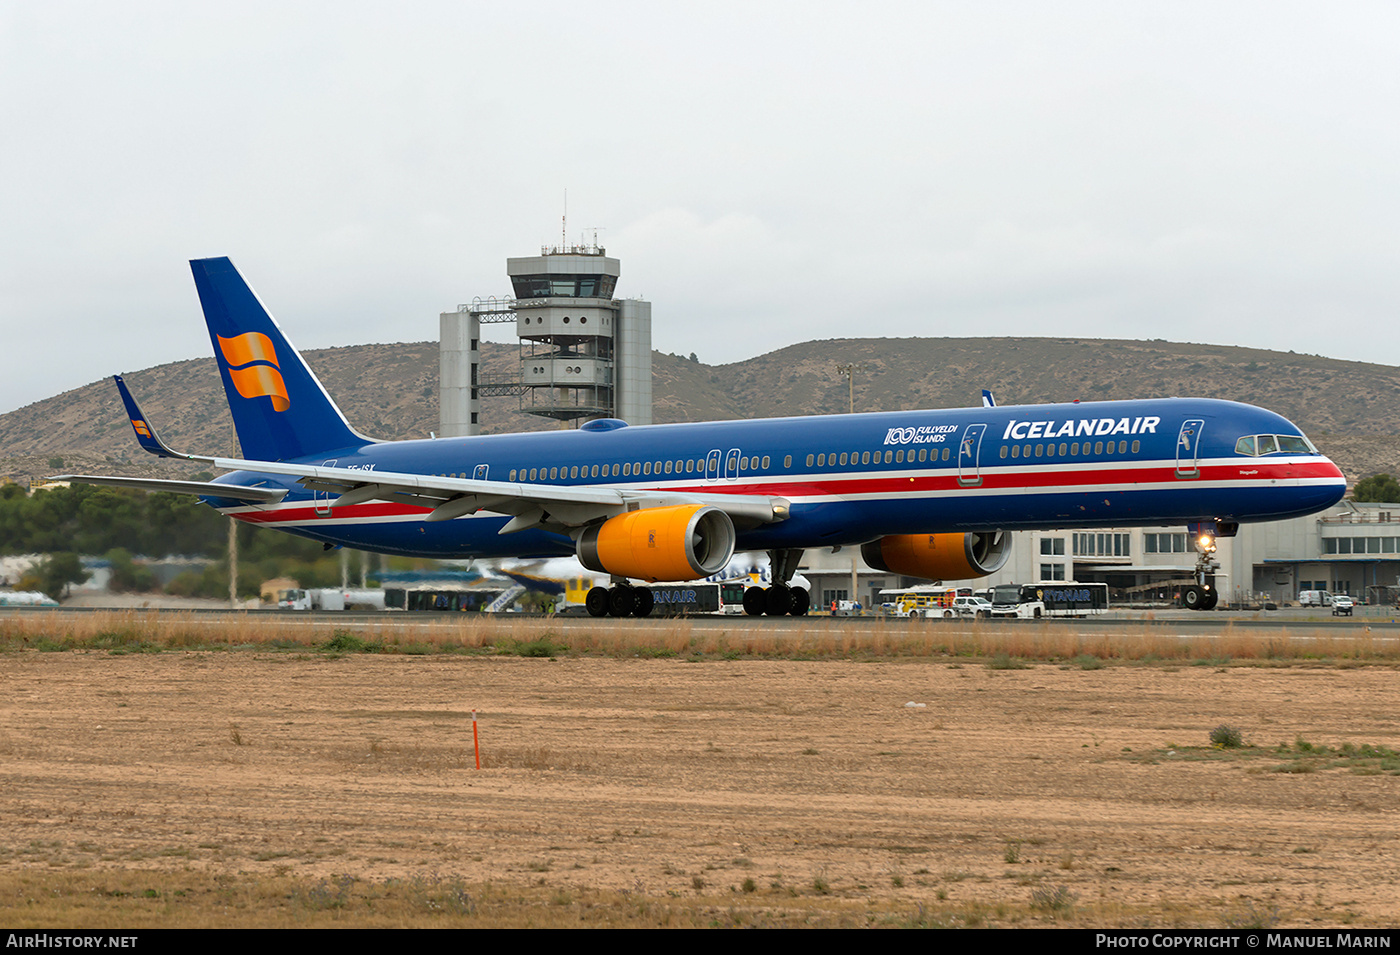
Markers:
(854, 478)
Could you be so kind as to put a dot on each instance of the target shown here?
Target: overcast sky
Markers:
(768, 173)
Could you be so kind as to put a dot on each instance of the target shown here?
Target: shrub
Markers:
(1226, 736)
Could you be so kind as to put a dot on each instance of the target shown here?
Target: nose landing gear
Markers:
(1202, 594)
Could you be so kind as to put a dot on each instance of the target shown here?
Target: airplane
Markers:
(929, 494)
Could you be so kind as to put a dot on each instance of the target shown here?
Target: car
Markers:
(977, 607)
(1342, 605)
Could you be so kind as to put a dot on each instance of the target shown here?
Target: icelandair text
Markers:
(1082, 428)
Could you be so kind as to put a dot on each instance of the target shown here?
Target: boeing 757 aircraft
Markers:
(928, 494)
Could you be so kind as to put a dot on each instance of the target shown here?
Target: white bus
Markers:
(1055, 599)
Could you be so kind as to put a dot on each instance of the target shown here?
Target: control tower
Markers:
(583, 354)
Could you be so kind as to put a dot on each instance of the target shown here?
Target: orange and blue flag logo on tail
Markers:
(253, 368)
(140, 427)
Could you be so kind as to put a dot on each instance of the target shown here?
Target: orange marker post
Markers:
(476, 744)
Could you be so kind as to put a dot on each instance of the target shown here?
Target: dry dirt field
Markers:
(264, 788)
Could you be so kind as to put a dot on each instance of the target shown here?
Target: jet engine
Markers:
(939, 556)
(683, 542)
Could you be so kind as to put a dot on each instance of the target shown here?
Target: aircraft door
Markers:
(1188, 448)
(969, 452)
(731, 465)
(712, 466)
(322, 499)
(480, 473)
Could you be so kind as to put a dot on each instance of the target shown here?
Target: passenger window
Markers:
(1016, 451)
(821, 460)
(843, 457)
(945, 454)
(1137, 446)
(899, 456)
(1098, 447)
(646, 468)
(865, 458)
(923, 454)
(1038, 449)
(1003, 450)
(1074, 448)
(1122, 447)
(1062, 449)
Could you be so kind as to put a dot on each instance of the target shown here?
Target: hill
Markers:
(1350, 409)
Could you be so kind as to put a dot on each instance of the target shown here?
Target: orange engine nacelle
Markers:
(660, 543)
(939, 556)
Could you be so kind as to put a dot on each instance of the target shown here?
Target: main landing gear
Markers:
(781, 598)
(620, 600)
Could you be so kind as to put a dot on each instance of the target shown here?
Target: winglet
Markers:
(145, 432)
(988, 401)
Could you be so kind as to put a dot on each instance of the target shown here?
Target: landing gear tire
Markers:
(801, 602)
(777, 601)
(1211, 599)
(645, 601)
(621, 601)
(597, 602)
(1193, 598)
(755, 601)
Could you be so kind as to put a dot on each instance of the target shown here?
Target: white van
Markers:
(1315, 598)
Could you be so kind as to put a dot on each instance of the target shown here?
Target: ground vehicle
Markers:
(929, 600)
(1058, 599)
(1342, 605)
(976, 607)
(331, 598)
(1315, 598)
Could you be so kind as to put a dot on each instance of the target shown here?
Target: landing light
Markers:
(1206, 543)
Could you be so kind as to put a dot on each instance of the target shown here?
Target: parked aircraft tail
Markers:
(279, 407)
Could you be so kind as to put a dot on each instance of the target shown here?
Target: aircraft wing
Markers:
(233, 492)
(529, 505)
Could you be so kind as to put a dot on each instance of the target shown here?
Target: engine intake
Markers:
(660, 543)
(939, 556)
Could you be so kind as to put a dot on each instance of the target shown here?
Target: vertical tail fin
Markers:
(279, 407)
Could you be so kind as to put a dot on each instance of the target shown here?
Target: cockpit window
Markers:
(1256, 444)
